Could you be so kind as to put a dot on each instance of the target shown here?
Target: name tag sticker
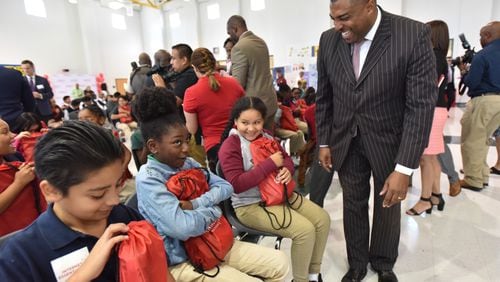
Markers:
(40, 86)
(66, 265)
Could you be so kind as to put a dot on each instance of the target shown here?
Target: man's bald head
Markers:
(144, 59)
(236, 26)
(489, 33)
(162, 58)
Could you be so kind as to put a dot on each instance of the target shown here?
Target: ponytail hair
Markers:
(204, 61)
(243, 104)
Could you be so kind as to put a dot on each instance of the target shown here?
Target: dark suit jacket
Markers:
(391, 105)
(15, 95)
(250, 66)
(42, 86)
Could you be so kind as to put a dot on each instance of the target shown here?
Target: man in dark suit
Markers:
(375, 102)
(41, 90)
(15, 96)
(250, 66)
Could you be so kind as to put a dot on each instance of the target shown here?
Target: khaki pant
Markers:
(481, 118)
(197, 152)
(308, 230)
(297, 140)
(241, 264)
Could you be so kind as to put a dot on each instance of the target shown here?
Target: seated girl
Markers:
(30, 128)
(95, 115)
(80, 166)
(167, 138)
(20, 199)
(127, 123)
(309, 225)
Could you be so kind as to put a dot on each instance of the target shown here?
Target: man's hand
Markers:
(325, 158)
(395, 188)
(37, 95)
(158, 80)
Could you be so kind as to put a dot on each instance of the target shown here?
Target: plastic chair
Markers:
(132, 202)
(243, 232)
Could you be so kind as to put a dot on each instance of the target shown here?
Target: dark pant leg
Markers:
(319, 183)
(447, 166)
(386, 224)
(354, 178)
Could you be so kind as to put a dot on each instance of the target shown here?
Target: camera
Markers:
(465, 59)
(469, 53)
(165, 72)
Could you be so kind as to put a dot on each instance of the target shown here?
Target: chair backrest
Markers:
(132, 202)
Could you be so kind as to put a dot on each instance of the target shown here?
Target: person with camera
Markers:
(138, 77)
(482, 115)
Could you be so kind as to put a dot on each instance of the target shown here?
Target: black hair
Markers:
(66, 155)
(117, 94)
(184, 51)
(25, 121)
(66, 97)
(95, 110)
(156, 111)
(243, 104)
(28, 62)
(229, 39)
(284, 88)
(124, 97)
(76, 102)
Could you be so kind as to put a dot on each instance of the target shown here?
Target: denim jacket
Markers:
(161, 208)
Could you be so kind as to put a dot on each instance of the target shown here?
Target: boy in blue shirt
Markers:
(80, 168)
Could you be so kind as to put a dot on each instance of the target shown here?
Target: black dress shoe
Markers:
(387, 276)
(354, 275)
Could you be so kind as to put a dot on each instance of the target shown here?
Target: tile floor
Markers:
(461, 243)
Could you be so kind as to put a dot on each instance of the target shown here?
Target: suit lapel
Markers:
(378, 47)
(345, 59)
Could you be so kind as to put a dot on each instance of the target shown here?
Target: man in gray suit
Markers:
(250, 66)
(376, 96)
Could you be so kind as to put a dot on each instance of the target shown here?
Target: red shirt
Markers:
(213, 108)
(22, 211)
(310, 117)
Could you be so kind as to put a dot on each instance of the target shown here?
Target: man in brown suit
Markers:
(374, 109)
(250, 65)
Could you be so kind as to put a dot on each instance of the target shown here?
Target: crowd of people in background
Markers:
(64, 168)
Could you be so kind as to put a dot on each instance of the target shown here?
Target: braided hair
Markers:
(204, 61)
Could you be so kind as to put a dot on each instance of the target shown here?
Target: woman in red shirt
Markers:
(208, 103)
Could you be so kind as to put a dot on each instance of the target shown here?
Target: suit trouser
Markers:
(308, 230)
(241, 264)
(481, 118)
(354, 175)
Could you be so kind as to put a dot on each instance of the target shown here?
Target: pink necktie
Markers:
(31, 84)
(355, 58)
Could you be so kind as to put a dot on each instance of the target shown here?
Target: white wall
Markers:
(187, 32)
(153, 30)
(80, 37)
(75, 37)
(52, 43)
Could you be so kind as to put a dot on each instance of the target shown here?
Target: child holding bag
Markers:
(167, 138)
(309, 224)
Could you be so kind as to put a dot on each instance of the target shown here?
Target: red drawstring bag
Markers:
(189, 184)
(142, 257)
(209, 249)
(271, 192)
(26, 146)
(27, 206)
